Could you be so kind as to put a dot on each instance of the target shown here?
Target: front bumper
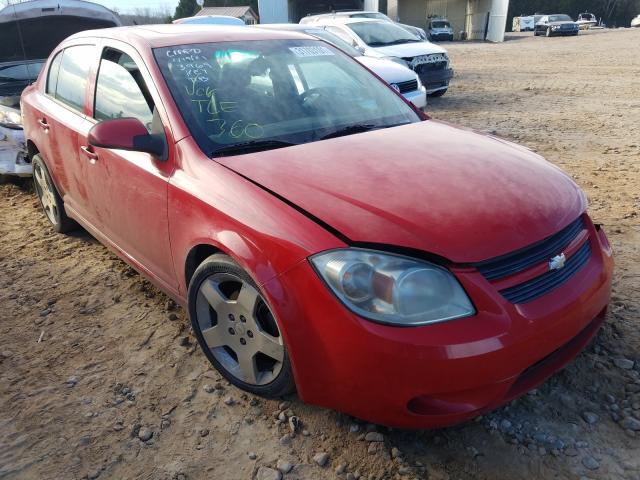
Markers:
(436, 80)
(441, 36)
(565, 31)
(13, 153)
(437, 375)
(417, 97)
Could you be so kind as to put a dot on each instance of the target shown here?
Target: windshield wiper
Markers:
(350, 130)
(353, 129)
(251, 146)
(404, 40)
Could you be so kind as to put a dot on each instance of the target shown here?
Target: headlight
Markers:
(10, 117)
(555, 27)
(392, 289)
(397, 60)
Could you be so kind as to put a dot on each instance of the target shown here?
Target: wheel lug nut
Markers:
(231, 317)
(242, 319)
(243, 341)
(232, 331)
(249, 334)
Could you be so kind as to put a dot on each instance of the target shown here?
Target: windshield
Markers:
(21, 72)
(274, 93)
(380, 34)
(560, 18)
(439, 24)
(335, 40)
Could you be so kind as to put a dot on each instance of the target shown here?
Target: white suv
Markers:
(381, 39)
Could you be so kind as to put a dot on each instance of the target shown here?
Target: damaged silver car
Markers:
(29, 32)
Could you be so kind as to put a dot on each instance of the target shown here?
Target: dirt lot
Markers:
(100, 377)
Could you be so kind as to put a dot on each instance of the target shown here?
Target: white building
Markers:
(470, 19)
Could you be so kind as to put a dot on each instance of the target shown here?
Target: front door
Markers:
(130, 188)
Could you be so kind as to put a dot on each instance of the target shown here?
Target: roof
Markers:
(344, 20)
(156, 36)
(228, 11)
(293, 27)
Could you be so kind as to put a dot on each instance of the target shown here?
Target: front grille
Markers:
(501, 267)
(536, 287)
(408, 86)
(523, 259)
(423, 68)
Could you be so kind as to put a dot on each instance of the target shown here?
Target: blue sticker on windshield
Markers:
(318, 51)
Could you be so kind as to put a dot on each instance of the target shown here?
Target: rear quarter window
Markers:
(52, 77)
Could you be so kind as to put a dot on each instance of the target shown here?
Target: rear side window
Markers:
(52, 78)
(121, 91)
(73, 75)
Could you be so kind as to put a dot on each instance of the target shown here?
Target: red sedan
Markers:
(323, 234)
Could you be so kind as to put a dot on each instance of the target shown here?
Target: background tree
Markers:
(186, 8)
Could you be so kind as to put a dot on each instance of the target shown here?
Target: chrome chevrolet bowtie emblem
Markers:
(557, 262)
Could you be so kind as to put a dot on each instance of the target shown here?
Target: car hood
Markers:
(412, 49)
(43, 24)
(389, 71)
(428, 186)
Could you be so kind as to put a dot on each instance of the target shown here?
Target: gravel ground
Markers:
(101, 377)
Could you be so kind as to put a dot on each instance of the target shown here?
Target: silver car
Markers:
(401, 78)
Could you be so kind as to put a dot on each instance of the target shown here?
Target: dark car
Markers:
(560, 24)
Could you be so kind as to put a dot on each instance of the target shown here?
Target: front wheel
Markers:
(237, 330)
(49, 197)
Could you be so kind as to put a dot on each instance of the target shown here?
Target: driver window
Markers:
(121, 91)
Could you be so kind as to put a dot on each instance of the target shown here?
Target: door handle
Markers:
(43, 124)
(93, 156)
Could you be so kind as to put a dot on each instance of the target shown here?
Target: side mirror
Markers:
(127, 134)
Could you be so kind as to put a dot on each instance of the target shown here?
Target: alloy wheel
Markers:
(239, 329)
(46, 193)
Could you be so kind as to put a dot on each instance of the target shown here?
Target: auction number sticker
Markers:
(318, 51)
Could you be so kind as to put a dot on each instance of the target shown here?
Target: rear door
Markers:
(129, 189)
(63, 117)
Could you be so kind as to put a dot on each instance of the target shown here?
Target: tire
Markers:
(50, 199)
(535, 32)
(236, 329)
(438, 93)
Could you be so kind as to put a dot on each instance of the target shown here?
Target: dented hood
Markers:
(428, 186)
